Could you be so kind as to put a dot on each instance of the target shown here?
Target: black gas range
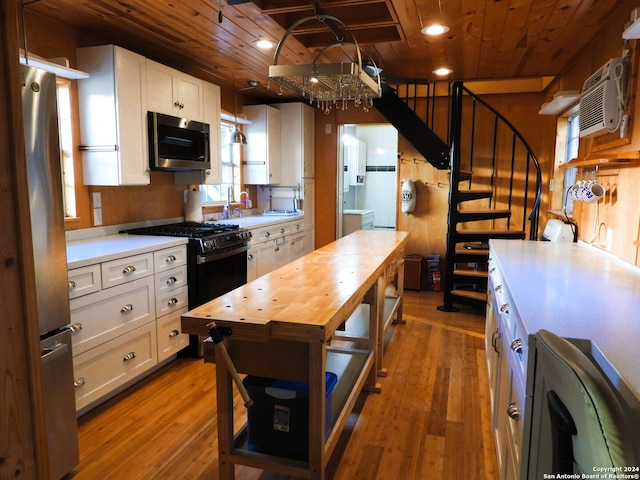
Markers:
(205, 238)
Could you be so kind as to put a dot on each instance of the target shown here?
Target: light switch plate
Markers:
(97, 200)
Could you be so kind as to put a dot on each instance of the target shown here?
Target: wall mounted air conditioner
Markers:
(600, 99)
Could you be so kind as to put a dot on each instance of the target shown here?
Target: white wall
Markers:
(381, 182)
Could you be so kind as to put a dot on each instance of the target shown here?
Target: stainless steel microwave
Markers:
(177, 144)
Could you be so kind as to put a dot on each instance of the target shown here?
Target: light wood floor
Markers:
(431, 420)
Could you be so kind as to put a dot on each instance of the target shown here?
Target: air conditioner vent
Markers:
(599, 101)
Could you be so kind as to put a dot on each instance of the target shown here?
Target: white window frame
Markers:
(230, 158)
(65, 134)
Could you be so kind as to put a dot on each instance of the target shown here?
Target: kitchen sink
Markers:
(283, 213)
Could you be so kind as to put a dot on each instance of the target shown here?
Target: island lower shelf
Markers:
(352, 368)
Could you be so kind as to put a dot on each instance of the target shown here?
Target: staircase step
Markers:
(468, 195)
(475, 215)
(479, 235)
(462, 272)
(464, 176)
(473, 294)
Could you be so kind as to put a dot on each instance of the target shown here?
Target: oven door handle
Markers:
(200, 259)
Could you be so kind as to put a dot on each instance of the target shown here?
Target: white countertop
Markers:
(81, 253)
(357, 212)
(256, 221)
(577, 291)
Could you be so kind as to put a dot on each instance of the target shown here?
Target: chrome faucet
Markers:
(229, 195)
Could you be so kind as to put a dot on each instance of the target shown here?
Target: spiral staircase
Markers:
(495, 179)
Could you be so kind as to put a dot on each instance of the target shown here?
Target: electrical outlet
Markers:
(97, 200)
(97, 216)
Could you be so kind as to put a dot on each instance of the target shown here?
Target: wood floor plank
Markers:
(431, 421)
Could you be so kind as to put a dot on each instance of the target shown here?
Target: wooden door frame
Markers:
(25, 454)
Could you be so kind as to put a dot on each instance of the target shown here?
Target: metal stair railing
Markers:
(521, 165)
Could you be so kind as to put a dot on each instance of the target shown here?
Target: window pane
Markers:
(230, 158)
(66, 149)
(573, 139)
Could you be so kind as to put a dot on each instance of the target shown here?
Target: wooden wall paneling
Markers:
(21, 410)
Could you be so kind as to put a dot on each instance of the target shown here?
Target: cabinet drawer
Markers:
(171, 301)
(169, 258)
(515, 428)
(126, 269)
(170, 280)
(519, 348)
(170, 338)
(102, 369)
(84, 280)
(106, 314)
(274, 231)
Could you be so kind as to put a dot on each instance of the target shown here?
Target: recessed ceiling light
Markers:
(436, 29)
(443, 71)
(264, 44)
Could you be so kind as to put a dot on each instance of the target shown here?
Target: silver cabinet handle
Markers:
(498, 289)
(174, 333)
(493, 269)
(277, 249)
(170, 258)
(72, 285)
(504, 308)
(172, 302)
(513, 411)
(129, 269)
(516, 346)
(171, 280)
(76, 327)
(129, 356)
(297, 226)
(127, 308)
(79, 382)
(176, 104)
(494, 340)
(282, 230)
(249, 257)
(268, 234)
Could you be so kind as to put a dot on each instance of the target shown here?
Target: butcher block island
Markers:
(325, 312)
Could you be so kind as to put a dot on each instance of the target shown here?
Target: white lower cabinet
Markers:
(506, 347)
(102, 369)
(170, 338)
(274, 246)
(104, 315)
(130, 324)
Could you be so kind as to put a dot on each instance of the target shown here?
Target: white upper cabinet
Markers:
(262, 152)
(297, 122)
(113, 108)
(211, 115)
(172, 92)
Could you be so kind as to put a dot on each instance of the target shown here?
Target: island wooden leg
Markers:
(400, 288)
(381, 285)
(224, 388)
(376, 312)
(317, 386)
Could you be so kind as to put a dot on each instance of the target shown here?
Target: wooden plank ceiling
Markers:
(488, 39)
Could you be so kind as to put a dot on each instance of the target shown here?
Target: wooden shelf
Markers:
(605, 160)
(357, 325)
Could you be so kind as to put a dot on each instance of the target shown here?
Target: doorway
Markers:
(367, 177)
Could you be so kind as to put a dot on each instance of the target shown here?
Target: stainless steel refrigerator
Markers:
(50, 263)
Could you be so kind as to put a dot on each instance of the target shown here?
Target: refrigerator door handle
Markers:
(54, 352)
